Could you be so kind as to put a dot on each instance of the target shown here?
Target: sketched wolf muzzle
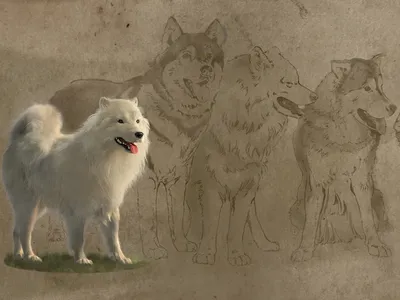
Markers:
(177, 94)
(335, 146)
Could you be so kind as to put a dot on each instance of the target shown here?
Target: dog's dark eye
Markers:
(120, 121)
(137, 121)
(367, 88)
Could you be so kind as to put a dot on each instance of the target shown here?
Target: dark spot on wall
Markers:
(100, 10)
(127, 25)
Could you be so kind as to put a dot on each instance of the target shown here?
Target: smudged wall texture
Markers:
(274, 126)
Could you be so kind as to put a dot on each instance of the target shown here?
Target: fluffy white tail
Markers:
(35, 131)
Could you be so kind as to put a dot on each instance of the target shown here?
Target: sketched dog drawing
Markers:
(335, 146)
(176, 94)
(249, 118)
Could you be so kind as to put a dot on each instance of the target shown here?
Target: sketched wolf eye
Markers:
(120, 121)
(289, 84)
(367, 88)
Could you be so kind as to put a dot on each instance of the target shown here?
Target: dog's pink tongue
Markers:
(134, 149)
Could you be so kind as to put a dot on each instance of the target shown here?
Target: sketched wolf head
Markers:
(189, 71)
(280, 79)
(355, 87)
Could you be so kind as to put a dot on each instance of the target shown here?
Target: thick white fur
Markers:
(81, 175)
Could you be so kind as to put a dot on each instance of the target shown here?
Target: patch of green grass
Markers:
(62, 262)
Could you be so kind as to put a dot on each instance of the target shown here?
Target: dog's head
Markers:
(280, 77)
(191, 66)
(359, 91)
(120, 122)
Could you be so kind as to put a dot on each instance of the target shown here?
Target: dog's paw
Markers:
(33, 258)
(120, 258)
(302, 254)
(379, 249)
(84, 261)
(267, 245)
(239, 259)
(204, 258)
(184, 245)
(19, 255)
(156, 253)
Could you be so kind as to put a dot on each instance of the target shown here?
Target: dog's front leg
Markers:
(110, 229)
(76, 229)
(176, 200)
(363, 189)
(313, 204)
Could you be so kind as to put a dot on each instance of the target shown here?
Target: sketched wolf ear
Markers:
(172, 32)
(340, 68)
(216, 32)
(259, 60)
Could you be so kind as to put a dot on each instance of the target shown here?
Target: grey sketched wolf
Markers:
(335, 145)
(176, 94)
(249, 118)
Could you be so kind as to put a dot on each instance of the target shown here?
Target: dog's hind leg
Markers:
(76, 240)
(258, 233)
(25, 218)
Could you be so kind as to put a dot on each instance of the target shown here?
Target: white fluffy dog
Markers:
(81, 175)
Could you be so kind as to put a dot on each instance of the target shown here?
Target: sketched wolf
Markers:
(177, 94)
(335, 146)
(248, 120)
(82, 175)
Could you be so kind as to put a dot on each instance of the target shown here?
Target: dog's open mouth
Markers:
(292, 107)
(375, 124)
(189, 87)
(128, 146)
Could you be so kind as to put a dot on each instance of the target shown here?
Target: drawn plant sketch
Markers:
(233, 152)
(335, 146)
(176, 94)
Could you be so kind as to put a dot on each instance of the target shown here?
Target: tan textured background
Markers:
(46, 44)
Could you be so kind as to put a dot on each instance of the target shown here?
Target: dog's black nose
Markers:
(139, 134)
(391, 109)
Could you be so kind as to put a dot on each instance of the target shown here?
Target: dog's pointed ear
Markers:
(216, 32)
(340, 68)
(135, 100)
(378, 58)
(104, 102)
(129, 93)
(172, 32)
(258, 60)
